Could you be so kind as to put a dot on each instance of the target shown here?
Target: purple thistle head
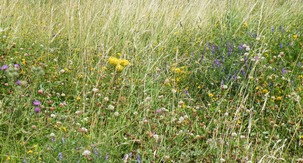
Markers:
(4, 67)
(36, 103)
(18, 82)
(281, 45)
(106, 157)
(37, 110)
(17, 66)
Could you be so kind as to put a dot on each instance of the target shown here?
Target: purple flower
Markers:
(281, 45)
(17, 66)
(273, 29)
(36, 103)
(37, 110)
(4, 67)
(213, 49)
(283, 71)
(18, 82)
(217, 62)
(159, 111)
(106, 157)
(138, 158)
(240, 47)
(60, 155)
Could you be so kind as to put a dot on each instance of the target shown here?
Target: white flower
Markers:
(95, 90)
(106, 99)
(52, 134)
(83, 129)
(110, 107)
(86, 153)
(116, 114)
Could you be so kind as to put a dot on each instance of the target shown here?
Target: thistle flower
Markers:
(36, 103)
(37, 110)
(4, 67)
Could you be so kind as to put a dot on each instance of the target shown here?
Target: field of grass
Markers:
(151, 81)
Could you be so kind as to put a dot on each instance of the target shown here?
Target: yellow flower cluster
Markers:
(119, 63)
(181, 70)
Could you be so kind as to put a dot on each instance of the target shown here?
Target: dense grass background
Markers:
(208, 81)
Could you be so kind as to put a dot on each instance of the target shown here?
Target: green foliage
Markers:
(155, 81)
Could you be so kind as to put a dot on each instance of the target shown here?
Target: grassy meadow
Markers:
(151, 81)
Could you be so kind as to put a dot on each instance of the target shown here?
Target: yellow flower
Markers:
(279, 98)
(23, 61)
(124, 62)
(29, 151)
(119, 68)
(294, 36)
(113, 60)
(8, 158)
(176, 70)
(265, 91)
(245, 24)
(210, 95)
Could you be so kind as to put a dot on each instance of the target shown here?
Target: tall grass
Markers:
(193, 92)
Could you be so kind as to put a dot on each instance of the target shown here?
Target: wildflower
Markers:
(36, 103)
(224, 86)
(119, 67)
(95, 90)
(265, 91)
(295, 36)
(60, 155)
(18, 82)
(40, 91)
(110, 107)
(17, 66)
(124, 62)
(210, 95)
(156, 137)
(283, 71)
(86, 153)
(83, 130)
(113, 60)
(244, 25)
(159, 111)
(37, 110)
(29, 152)
(4, 67)
(138, 158)
(116, 114)
(279, 98)
(174, 91)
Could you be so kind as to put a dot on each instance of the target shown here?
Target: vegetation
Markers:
(151, 81)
